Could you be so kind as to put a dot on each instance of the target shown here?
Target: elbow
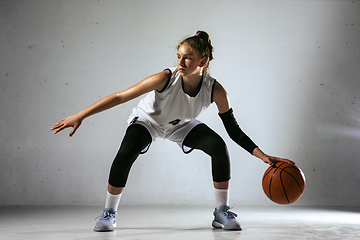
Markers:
(118, 98)
(236, 135)
(233, 136)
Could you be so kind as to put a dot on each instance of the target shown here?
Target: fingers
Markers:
(61, 125)
(59, 129)
(74, 130)
(285, 160)
(273, 160)
(54, 127)
(57, 125)
(290, 162)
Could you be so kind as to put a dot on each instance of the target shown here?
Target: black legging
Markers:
(200, 137)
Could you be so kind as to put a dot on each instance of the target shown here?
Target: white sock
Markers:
(221, 197)
(112, 201)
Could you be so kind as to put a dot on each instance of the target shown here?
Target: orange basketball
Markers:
(283, 183)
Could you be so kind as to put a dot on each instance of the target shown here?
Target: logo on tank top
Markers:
(175, 122)
(134, 120)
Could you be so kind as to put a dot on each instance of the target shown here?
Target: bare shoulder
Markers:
(219, 89)
(163, 74)
(221, 98)
(159, 80)
(156, 81)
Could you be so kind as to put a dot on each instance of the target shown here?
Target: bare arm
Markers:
(221, 99)
(156, 81)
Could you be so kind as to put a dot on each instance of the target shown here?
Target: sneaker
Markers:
(225, 219)
(107, 221)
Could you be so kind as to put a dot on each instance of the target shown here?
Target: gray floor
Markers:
(186, 223)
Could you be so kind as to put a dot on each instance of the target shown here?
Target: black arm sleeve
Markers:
(235, 132)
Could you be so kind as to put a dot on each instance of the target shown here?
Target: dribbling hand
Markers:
(273, 160)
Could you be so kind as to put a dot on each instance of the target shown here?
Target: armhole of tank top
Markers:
(167, 83)
(212, 91)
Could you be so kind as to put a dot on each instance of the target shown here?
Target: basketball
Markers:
(283, 183)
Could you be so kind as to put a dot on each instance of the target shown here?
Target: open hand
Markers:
(71, 121)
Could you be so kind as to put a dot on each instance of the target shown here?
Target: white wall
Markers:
(291, 69)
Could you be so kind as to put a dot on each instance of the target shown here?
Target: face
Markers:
(189, 60)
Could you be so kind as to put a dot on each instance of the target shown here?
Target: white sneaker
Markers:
(225, 219)
(107, 221)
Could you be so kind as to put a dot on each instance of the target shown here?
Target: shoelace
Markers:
(106, 215)
(227, 213)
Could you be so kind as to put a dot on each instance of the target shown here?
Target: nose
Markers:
(181, 61)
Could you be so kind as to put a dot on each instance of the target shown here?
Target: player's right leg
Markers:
(135, 140)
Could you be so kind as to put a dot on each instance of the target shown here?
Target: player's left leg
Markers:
(203, 138)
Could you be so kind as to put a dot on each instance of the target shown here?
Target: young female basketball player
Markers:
(176, 96)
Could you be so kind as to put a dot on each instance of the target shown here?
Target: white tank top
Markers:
(172, 106)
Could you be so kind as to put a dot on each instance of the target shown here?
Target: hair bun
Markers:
(203, 35)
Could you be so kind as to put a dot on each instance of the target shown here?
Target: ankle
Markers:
(221, 197)
(112, 201)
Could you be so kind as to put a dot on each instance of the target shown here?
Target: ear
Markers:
(203, 61)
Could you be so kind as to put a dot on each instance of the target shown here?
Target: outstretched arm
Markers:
(221, 99)
(156, 81)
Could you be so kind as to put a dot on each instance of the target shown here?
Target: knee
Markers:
(216, 147)
(129, 151)
(126, 156)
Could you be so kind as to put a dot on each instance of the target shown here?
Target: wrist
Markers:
(80, 115)
(260, 154)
